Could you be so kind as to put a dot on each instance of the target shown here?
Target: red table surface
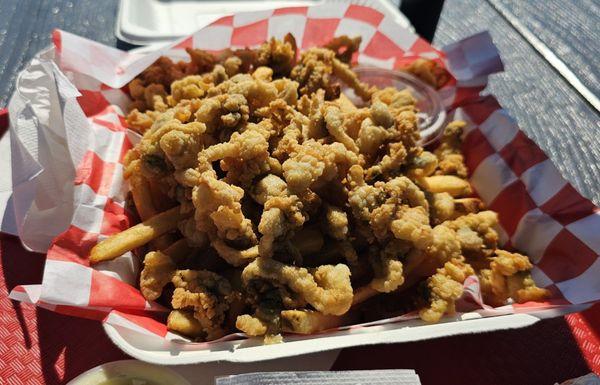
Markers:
(41, 347)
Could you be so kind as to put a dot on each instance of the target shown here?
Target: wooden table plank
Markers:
(26, 25)
(569, 28)
(546, 107)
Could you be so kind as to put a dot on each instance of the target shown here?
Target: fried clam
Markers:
(278, 287)
(253, 166)
(208, 296)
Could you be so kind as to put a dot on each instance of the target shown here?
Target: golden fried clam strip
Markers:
(208, 295)
(159, 267)
(335, 126)
(313, 164)
(327, 289)
(343, 71)
(170, 144)
(243, 157)
(252, 326)
(449, 153)
(445, 246)
(283, 211)
(344, 47)
(190, 87)
(287, 90)
(309, 321)
(444, 288)
(397, 100)
(141, 121)
(267, 187)
(335, 222)
(421, 165)
(280, 216)
(396, 208)
(218, 204)
(278, 55)
(508, 277)
(229, 111)
(157, 272)
(442, 207)
(234, 256)
(401, 144)
(136, 236)
(388, 275)
(258, 93)
(473, 234)
(371, 137)
(315, 69)
(315, 129)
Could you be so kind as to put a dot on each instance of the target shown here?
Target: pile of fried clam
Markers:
(271, 203)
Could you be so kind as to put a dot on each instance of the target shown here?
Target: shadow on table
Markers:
(67, 345)
(544, 353)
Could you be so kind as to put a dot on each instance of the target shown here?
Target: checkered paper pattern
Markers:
(540, 213)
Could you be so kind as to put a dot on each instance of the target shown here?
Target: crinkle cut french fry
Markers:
(451, 184)
(309, 321)
(136, 236)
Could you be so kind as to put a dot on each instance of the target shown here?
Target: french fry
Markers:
(451, 184)
(179, 250)
(362, 294)
(136, 236)
(233, 256)
(464, 206)
(160, 200)
(310, 321)
(144, 202)
(142, 198)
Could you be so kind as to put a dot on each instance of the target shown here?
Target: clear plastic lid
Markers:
(431, 115)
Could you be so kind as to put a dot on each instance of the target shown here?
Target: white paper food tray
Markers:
(152, 22)
(157, 351)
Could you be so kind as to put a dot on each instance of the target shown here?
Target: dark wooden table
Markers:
(544, 104)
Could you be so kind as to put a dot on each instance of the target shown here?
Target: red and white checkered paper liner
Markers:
(540, 213)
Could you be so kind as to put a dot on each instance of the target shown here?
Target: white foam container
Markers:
(159, 351)
(156, 22)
